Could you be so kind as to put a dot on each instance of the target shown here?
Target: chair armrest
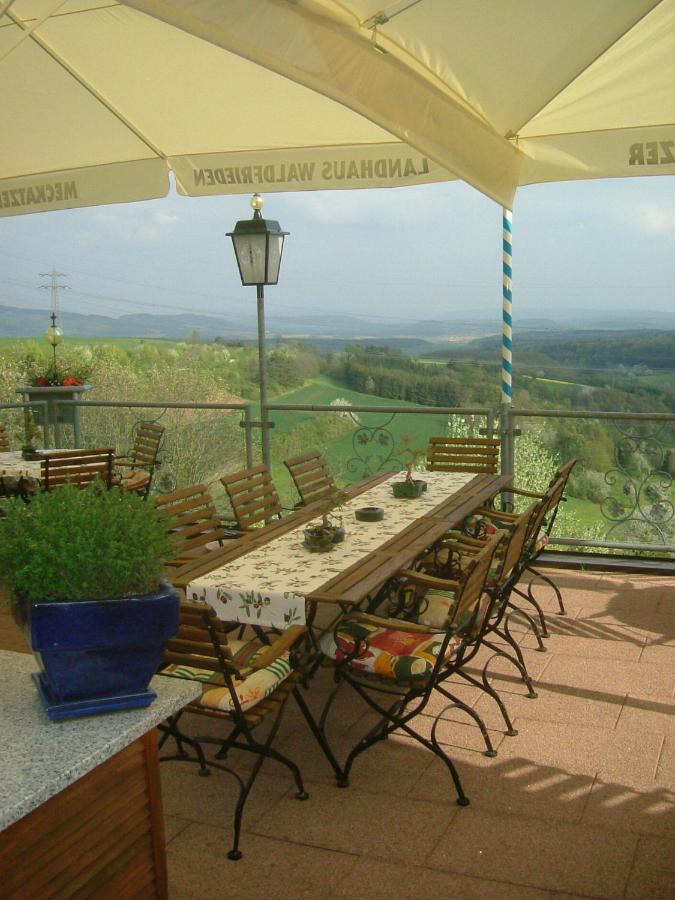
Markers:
(283, 643)
(520, 491)
(395, 624)
(430, 581)
(495, 514)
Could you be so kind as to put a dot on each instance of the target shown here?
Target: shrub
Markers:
(90, 544)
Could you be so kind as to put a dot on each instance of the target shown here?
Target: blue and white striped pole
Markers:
(507, 296)
(507, 436)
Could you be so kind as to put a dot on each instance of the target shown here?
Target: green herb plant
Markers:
(91, 544)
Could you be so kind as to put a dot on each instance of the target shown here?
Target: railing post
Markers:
(248, 436)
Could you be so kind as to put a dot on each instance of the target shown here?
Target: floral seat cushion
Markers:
(251, 690)
(388, 652)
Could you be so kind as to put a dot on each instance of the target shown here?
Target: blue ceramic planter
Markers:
(100, 650)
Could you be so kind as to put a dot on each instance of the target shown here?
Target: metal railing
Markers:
(632, 499)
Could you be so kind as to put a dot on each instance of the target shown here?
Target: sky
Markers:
(396, 254)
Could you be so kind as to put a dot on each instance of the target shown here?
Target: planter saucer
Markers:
(71, 709)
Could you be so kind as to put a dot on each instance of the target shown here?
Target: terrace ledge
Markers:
(40, 758)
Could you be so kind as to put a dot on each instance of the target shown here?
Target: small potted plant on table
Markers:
(84, 572)
(410, 487)
(330, 531)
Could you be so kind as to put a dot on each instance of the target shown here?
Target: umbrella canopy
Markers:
(101, 100)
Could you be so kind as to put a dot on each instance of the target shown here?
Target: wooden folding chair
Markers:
(193, 522)
(395, 666)
(253, 497)
(480, 455)
(78, 467)
(312, 477)
(244, 683)
(141, 460)
(538, 540)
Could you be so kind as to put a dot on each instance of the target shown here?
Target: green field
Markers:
(665, 381)
(384, 440)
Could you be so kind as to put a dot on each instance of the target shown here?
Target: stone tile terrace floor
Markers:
(579, 803)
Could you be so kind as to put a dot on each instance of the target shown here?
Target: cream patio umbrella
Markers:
(100, 100)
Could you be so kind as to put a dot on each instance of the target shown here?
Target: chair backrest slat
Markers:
(311, 476)
(469, 595)
(192, 519)
(252, 496)
(78, 467)
(4, 439)
(146, 445)
(479, 455)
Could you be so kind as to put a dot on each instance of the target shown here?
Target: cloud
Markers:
(136, 222)
(656, 220)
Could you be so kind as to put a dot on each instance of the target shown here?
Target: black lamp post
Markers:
(258, 245)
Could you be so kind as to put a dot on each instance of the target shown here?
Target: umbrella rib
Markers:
(513, 132)
(30, 33)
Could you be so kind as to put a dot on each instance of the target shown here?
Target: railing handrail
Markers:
(591, 414)
(417, 410)
(150, 404)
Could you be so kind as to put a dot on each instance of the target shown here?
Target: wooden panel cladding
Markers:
(103, 836)
(446, 454)
(252, 495)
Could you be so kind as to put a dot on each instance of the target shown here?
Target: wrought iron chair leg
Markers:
(510, 730)
(319, 734)
(538, 574)
(459, 704)
(226, 746)
(516, 610)
(171, 730)
(515, 660)
(263, 751)
(531, 693)
(530, 599)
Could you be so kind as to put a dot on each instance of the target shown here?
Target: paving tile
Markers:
(356, 821)
(661, 654)
(541, 854)
(612, 677)
(665, 770)
(269, 869)
(596, 646)
(173, 825)
(646, 713)
(653, 874)
(619, 807)
(631, 757)
(561, 706)
(509, 785)
(578, 749)
(455, 729)
(386, 880)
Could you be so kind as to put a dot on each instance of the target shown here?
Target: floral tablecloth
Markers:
(268, 586)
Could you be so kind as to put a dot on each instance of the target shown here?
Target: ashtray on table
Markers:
(369, 514)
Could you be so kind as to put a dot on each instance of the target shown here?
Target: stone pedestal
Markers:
(53, 416)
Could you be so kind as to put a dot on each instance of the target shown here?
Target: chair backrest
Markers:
(4, 440)
(78, 467)
(201, 643)
(311, 476)
(146, 445)
(469, 610)
(545, 509)
(252, 496)
(192, 520)
(512, 552)
(447, 454)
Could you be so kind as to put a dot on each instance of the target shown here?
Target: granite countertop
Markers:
(39, 757)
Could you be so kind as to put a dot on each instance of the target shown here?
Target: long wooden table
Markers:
(362, 579)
